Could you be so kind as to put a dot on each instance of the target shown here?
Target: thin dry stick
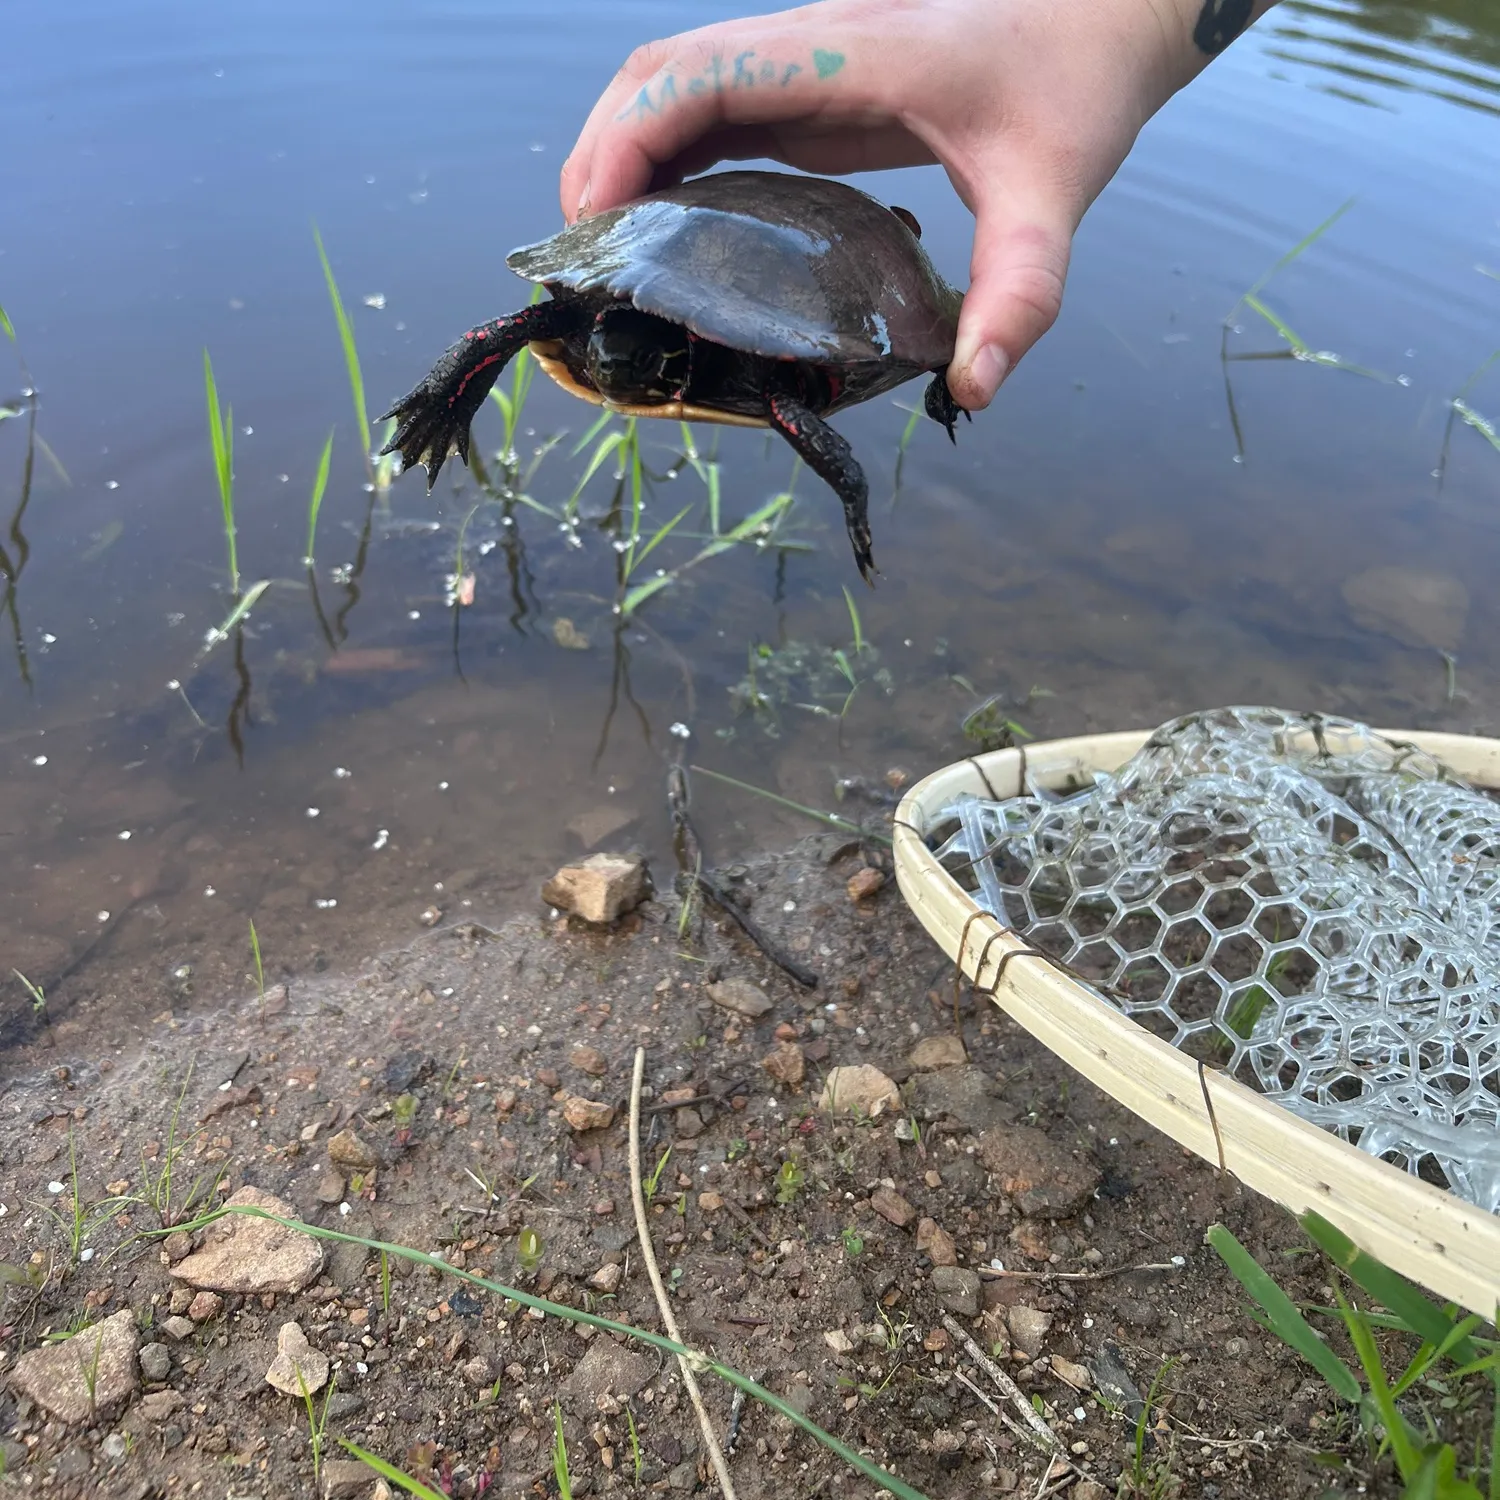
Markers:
(648, 1255)
(1039, 1432)
(991, 1273)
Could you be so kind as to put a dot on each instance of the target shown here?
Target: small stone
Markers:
(1077, 1376)
(710, 1202)
(839, 1341)
(567, 635)
(79, 1377)
(343, 1477)
(945, 1051)
(608, 1369)
(344, 1404)
(479, 1371)
(158, 1406)
(892, 1207)
(1028, 1329)
(936, 1244)
(785, 1063)
(252, 1255)
(348, 1150)
(205, 1306)
(607, 1278)
(957, 1289)
(549, 1078)
(589, 1060)
(156, 1362)
(180, 1300)
(864, 883)
(599, 889)
(862, 1090)
(177, 1245)
(1088, 1489)
(936, 1340)
(331, 1187)
(1045, 1180)
(740, 996)
(298, 1368)
(688, 1123)
(431, 916)
(588, 1114)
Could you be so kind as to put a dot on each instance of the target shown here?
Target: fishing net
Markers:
(1291, 897)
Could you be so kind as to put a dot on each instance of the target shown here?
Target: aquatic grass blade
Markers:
(595, 427)
(1307, 240)
(1481, 424)
(236, 615)
(658, 538)
(608, 445)
(7, 325)
(832, 819)
(221, 436)
(351, 353)
(1286, 1321)
(560, 1456)
(315, 503)
(637, 596)
(854, 620)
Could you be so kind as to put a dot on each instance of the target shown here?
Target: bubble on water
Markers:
(49, 638)
(111, 484)
(313, 812)
(173, 685)
(681, 730)
(39, 760)
(209, 890)
(382, 838)
(325, 903)
(248, 431)
(789, 906)
(442, 786)
(414, 614)
(342, 773)
(123, 835)
(103, 916)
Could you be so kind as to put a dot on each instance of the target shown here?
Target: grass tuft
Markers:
(221, 436)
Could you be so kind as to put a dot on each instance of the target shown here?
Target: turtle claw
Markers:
(941, 406)
(426, 432)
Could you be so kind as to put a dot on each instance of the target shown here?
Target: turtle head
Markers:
(637, 358)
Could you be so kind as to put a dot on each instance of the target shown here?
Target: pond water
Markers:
(1150, 519)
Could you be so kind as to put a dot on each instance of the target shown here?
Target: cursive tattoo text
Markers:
(745, 70)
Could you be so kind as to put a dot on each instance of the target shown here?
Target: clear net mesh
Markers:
(1291, 897)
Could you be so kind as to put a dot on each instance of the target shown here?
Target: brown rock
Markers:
(177, 1327)
(599, 889)
(892, 1207)
(710, 1202)
(944, 1051)
(347, 1150)
(957, 1289)
(1077, 1376)
(588, 1114)
(79, 1377)
(158, 1406)
(205, 1306)
(1044, 1180)
(297, 1364)
(785, 1063)
(860, 1090)
(1028, 1329)
(688, 1123)
(936, 1244)
(245, 1254)
(331, 1187)
(344, 1477)
(740, 996)
(480, 1370)
(607, 1278)
(176, 1245)
(935, 1340)
(864, 883)
(589, 1060)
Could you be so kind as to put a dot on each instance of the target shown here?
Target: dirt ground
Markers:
(454, 1060)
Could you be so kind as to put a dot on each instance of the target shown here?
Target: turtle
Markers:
(751, 298)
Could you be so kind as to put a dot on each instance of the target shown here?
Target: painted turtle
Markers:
(758, 299)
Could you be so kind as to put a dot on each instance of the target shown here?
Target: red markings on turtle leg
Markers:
(483, 364)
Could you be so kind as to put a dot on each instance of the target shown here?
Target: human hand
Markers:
(1030, 106)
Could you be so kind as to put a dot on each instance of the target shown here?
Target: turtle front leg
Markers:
(434, 416)
(941, 406)
(830, 457)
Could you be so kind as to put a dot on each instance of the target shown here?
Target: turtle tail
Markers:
(433, 417)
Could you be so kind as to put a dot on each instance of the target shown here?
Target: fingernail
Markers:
(987, 369)
(583, 199)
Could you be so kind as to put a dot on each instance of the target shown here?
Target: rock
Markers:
(688, 1123)
(344, 1404)
(608, 1369)
(244, 1254)
(892, 1207)
(156, 1362)
(331, 1187)
(205, 1306)
(936, 1244)
(348, 1150)
(298, 1368)
(1415, 605)
(785, 1063)
(1077, 1376)
(861, 1090)
(568, 636)
(343, 1477)
(404, 1070)
(176, 1245)
(957, 1289)
(740, 996)
(710, 1202)
(91, 1372)
(1045, 1180)
(589, 1060)
(479, 1371)
(607, 1278)
(1088, 1489)
(599, 889)
(158, 1406)
(864, 883)
(839, 1341)
(992, 1332)
(1137, 1312)
(966, 1093)
(1028, 1329)
(180, 1300)
(591, 828)
(932, 1052)
(177, 1328)
(588, 1114)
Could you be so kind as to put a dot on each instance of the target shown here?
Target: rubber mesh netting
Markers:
(1291, 897)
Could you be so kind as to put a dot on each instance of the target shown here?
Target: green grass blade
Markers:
(637, 596)
(1304, 243)
(351, 353)
(859, 634)
(832, 819)
(1286, 331)
(393, 1474)
(608, 445)
(1286, 1322)
(597, 426)
(1481, 424)
(221, 437)
(658, 538)
(238, 613)
(560, 1456)
(315, 504)
(1389, 1288)
(7, 325)
(1398, 1434)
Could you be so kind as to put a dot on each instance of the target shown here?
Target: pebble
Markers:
(688, 1123)
(156, 1362)
(740, 996)
(157, 1406)
(243, 1254)
(588, 1114)
(1028, 1329)
(589, 1060)
(862, 1090)
(1075, 1375)
(839, 1341)
(892, 1207)
(298, 1367)
(204, 1306)
(785, 1063)
(177, 1328)
(932, 1052)
(331, 1187)
(865, 883)
(76, 1379)
(176, 1245)
(957, 1289)
(936, 1244)
(600, 889)
(343, 1477)
(607, 1278)
(348, 1149)
(479, 1371)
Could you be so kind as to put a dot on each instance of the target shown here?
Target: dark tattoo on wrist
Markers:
(1219, 22)
(745, 70)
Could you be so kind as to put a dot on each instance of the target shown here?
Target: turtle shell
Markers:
(770, 263)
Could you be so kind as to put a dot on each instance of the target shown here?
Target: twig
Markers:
(1038, 1431)
(991, 1273)
(648, 1255)
(747, 1223)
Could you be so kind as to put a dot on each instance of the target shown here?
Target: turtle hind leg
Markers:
(433, 417)
(830, 457)
(941, 406)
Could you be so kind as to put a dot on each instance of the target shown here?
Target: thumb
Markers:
(1019, 264)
